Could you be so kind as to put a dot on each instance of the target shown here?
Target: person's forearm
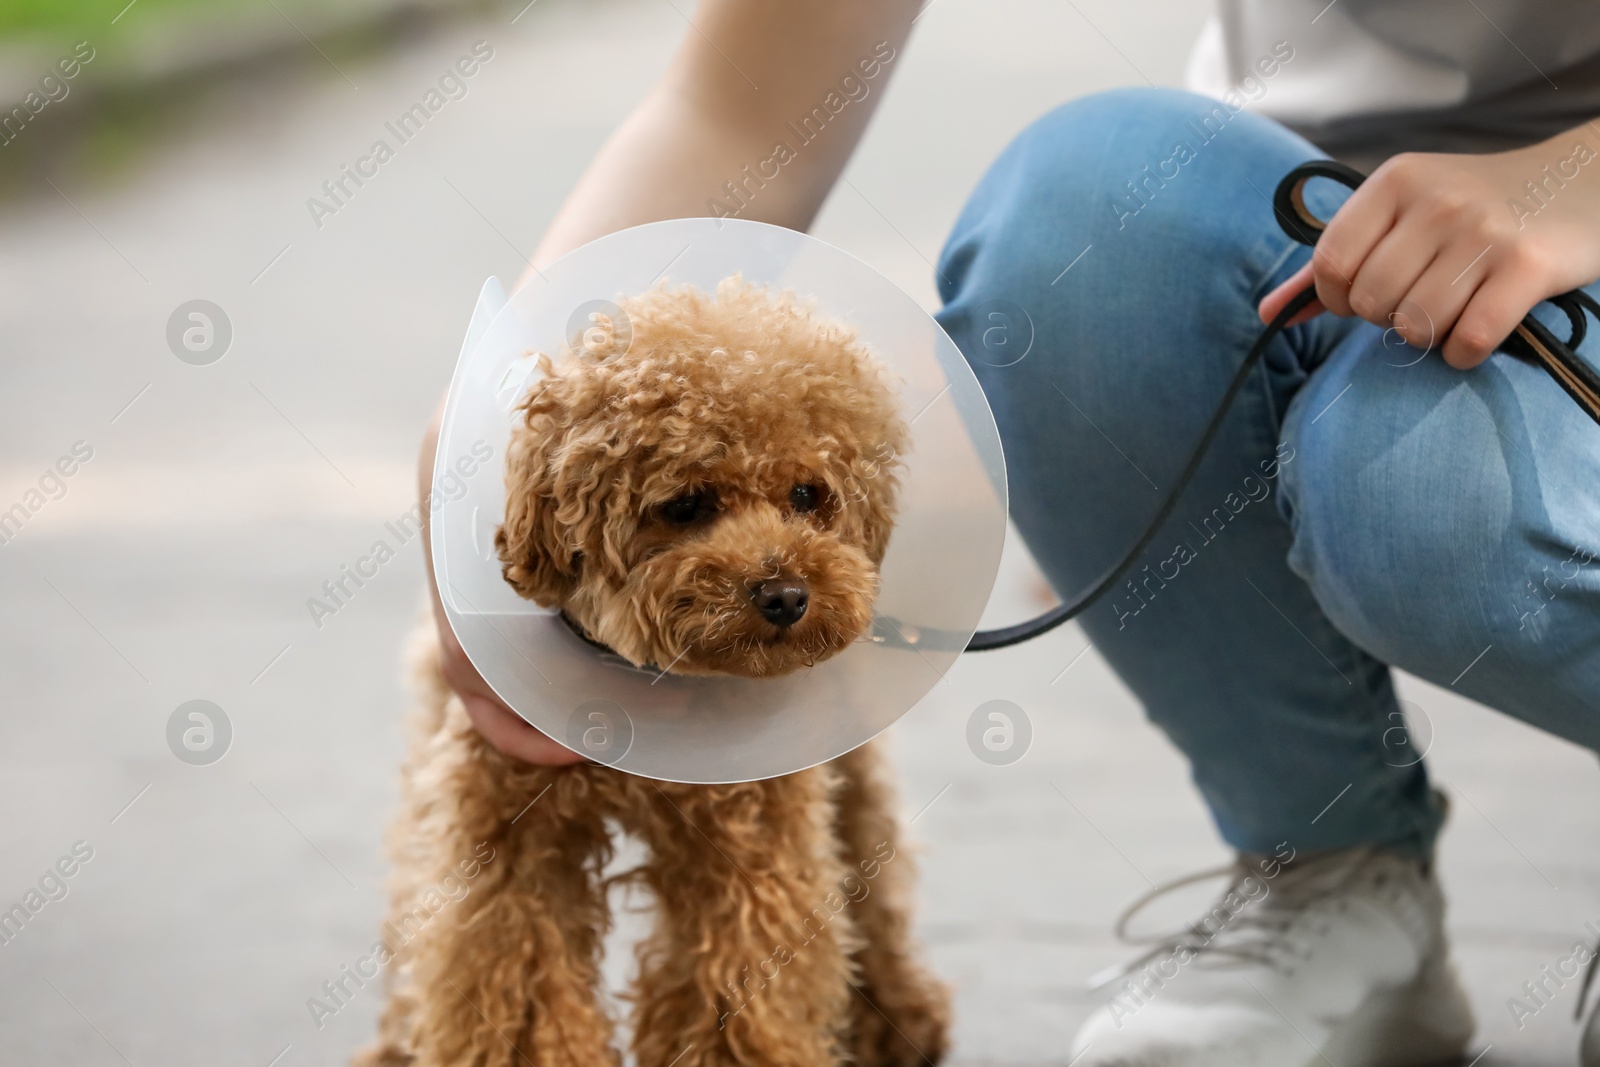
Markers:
(667, 161)
(709, 136)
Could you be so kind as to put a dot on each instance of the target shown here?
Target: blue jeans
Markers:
(1365, 505)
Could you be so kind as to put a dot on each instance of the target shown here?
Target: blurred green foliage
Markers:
(114, 117)
(92, 19)
(82, 19)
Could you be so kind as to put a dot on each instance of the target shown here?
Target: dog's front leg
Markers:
(900, 1012)
(750, 961)
(509, 975)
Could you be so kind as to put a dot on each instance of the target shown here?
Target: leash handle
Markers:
(1531, 341)
(1289, 201)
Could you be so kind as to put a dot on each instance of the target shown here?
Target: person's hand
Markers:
(1435, 247)
(499, 725)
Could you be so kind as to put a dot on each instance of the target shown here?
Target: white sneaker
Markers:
(1336, 959)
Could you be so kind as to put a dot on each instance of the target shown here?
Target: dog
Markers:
(703, 483)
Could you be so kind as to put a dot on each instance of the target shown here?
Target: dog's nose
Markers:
(781, 602)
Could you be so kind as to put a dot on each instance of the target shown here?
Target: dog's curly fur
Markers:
(662, 469)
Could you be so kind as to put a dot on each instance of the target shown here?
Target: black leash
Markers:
(1532, 341)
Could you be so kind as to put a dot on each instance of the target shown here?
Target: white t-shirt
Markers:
(1369, 78)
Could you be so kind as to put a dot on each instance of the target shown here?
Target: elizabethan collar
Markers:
(934, 580)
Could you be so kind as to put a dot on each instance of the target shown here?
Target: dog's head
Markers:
(707, 486)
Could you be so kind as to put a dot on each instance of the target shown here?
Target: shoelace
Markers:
(1588, 980)
(1253, 934)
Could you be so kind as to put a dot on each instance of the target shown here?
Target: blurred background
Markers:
(212, 493)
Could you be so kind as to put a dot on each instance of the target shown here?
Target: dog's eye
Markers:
(682, 510)
(804, 498)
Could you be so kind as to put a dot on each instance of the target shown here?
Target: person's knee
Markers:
(1423, 530)
(1113, 255)
(1116, 186)
(1062, 174)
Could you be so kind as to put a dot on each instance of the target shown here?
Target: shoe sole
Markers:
(1428, 1022)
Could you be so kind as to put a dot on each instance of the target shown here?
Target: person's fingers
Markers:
(1511, 288)
(459, 673)
(1390, 272)
(1275, 301)
(1435, 302)
(513, 737)
(503, 728)
(1352, 234)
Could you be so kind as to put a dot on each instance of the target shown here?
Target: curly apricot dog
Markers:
(707, 485)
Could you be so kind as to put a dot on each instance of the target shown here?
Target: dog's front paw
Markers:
(381, 1054)
(911, 1033)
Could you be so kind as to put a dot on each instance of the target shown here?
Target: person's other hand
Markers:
(1436, 247)
(499, 725)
